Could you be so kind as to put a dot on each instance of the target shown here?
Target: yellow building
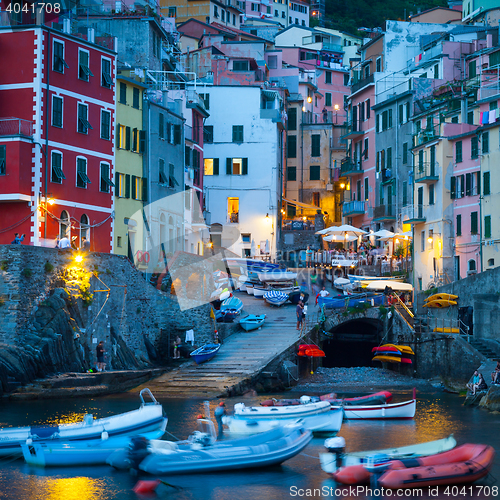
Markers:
(129, 181)
(207, 11)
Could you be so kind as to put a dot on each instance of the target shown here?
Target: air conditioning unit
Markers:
(329, 187)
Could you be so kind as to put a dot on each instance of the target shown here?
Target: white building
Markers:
(242, 169)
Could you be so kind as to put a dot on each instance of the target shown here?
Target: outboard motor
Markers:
(137, 451)
(336, 445)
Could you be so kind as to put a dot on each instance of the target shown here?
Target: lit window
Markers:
(233, 209)
(122, 136)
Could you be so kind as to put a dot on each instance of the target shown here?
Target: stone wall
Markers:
(46, 327)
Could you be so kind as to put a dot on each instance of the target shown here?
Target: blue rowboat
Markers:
(205, 353)
(252, 322)
(232, 304)
(276, 298)
(351, 300)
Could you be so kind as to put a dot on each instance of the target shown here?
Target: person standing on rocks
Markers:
(100, 356)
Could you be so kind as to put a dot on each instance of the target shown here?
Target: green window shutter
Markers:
(117, 183)
(245, 167)
(177, 134)
(478, 180)
(144, 189)
(292, 119)
(453, 188)
(472, 69)
(487, 226)
(473, 223)
(390, 118)
(127, 186)
(405, 193)
(486, 183)
(216, 166)
(135, 146)
(431, 194)
(459, 225)
(366, 189)
(127, 138)
(462, 186)
(142, 141)
(458, 152)
(291, 173)
(467, 184)
(229, 166)
(117, 135)
(134, 192)
(316, 145)
(485, 142)
(292, 146)
(474, 147)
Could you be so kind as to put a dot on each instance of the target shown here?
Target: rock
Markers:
(491, 399)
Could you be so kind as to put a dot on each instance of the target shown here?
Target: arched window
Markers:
(64, 225)
(84, 230)
(472, 265)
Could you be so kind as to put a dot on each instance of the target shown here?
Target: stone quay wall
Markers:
(53, 312)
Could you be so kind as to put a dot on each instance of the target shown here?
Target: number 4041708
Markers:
(48, 8)
(471, 491)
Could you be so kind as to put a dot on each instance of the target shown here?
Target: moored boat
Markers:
(233, 304)
(275, 298)
(375, 398)
(205, 353)
(149, 417)
(202, 454)
(265, 412)
(252, 322)
(249, 287)
(403, 410)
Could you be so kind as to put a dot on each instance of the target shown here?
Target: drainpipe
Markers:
(301, 157)
(47, 118)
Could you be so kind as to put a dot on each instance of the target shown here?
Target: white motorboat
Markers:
(259, 291)
(201, 453)
(148, 418)
(281, 412)
(249, 287)
(403, 410)
(323, 423)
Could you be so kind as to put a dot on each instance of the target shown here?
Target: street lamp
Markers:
(336, 108)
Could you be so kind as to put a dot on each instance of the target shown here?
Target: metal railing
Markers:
(350, 166)
(383, 211)
(359, 84)
(426, 135)
(426, 170)
(16, 126)
(412, 212)
(353, 207)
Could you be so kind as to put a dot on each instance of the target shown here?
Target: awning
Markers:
(301, 205)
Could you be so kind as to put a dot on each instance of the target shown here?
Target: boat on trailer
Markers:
(148, 418)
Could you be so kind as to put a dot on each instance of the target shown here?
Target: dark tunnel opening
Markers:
(350, 344)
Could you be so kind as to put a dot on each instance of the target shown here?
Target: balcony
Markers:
(193, 100)
(362, 83)
(426, 172)
(188, 132)
(308, 78)
(15, 127)
(352, 130)
(271, 114)
(426, 135)
(337, 143)
(412, 214)
(387, 177)
(334, 47)
(350, 167)
(384, 213)
(352, 208)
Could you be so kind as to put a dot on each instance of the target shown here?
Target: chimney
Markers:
(489, 40)
(66, 26)
(91, 35)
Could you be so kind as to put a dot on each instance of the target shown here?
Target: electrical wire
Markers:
(15, 224)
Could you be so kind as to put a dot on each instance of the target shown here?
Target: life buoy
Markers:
(139, 256)
(145, 257)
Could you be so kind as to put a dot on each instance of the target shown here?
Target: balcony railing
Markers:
(353, 208)
(412, 214)
(384, 212)
(353, 130)
(334, 47)
(188, 132)
(426, 135)
(350, 167)
(426, 172)
(271, 114)
(194, 99)
(307, 78)
(362, 83)
(16, 126)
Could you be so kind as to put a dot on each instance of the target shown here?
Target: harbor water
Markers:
(438, 415)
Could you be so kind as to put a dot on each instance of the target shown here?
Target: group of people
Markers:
(478, 383)
(65, 244)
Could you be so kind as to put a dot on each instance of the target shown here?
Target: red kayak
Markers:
(376, 398)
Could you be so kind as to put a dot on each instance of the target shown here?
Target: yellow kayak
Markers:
(440, 303)
(441, 296)
(446, 329)
(402, 348)
(387, 359)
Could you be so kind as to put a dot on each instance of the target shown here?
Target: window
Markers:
(431, 194)
(385, 115)
(216, 12)
(208, 134)
(83, 124)
(314, 173)
(236, 166)
(223, 15)
(367, 113)
(106, 80)
(105, 124)
(431, 239)
(390, 118)
(162, 175)
(119, 241)
(59, 63)
(422, 241)
(405, 193)
(328, 77)
(487, 226)
(367, 189)
(378, 64)
(473, 223)
(474, 147)
(161, 126)
(276, 13)
(405, 153)
(81, 173)
(106, 183)
(292, 119)
(211, 166)
(135, 140)
(172, 11)
(120, 182)
(291, 173)
(237, 133)
(240, 65)
(233, 209)
(459, 225)
(328, 99)
(57, 111)
(436, 71)
(389, 158)
(136, 188)
(83, 65)
(206, 101)
(292, 146)
(56, 174)
(177, 134)
(365, 149)
(172, 182)
(122, 136)
(486, 183)
(472, 69)
(123, 93)
(283, 15)
(316, 145)
(485, 139)
(470, 117)
(315, 199)
(135, 99)
(246, 237)
(458, 152)
(3, 159)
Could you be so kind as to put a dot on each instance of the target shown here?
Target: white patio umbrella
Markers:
(344, 228)
(383, 233)
(340, 238)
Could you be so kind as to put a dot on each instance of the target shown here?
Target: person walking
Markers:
(100, 356)
(219, 412)
(299, 310)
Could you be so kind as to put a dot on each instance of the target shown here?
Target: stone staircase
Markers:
(490, 350)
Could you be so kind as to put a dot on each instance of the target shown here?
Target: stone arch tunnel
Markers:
(350, 343)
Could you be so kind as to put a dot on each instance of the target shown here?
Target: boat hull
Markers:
(252, 322)
(205, 353)
(404, 410)
(275, 298)
(281, 412)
